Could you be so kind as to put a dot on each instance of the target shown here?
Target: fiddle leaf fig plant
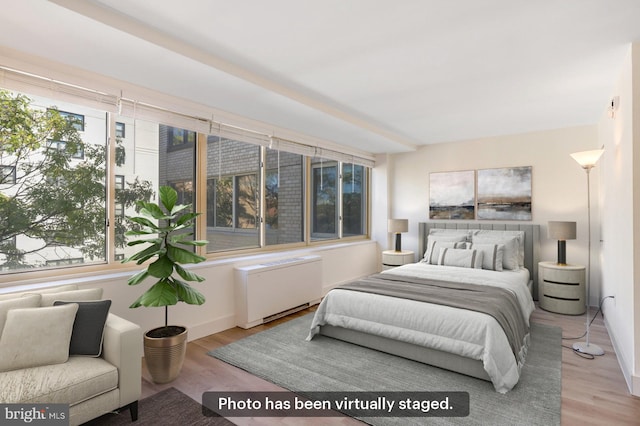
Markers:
(165, 226)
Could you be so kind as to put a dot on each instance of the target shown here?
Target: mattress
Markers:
(465, 333)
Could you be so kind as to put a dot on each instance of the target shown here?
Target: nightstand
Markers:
(561, 288)
(392, 258)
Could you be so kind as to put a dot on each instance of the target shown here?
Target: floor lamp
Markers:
(588, 160)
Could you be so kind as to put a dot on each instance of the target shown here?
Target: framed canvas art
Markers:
(504, 194)
(452, 195)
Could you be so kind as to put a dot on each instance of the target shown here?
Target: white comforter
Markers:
(467, 333)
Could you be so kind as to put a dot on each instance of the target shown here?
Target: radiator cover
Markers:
(265, 290)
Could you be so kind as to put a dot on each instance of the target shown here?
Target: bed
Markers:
(493, 263)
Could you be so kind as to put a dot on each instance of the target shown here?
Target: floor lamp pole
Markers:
(587, 347)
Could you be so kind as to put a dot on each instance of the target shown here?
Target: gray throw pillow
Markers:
(88, 328)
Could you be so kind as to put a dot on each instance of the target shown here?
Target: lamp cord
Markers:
(587, 356)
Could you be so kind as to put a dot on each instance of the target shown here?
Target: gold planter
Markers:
(165, 355)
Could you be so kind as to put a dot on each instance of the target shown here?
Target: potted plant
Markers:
(165, 226)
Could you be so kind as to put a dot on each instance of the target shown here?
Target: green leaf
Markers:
(138, 278)
(184, 241)
(146, 254)
(162, 293)
(180, 238)
(152, 210)
(151, 241)
(180, 255)
(137, 232)
(143, 221)
(188, 275)
(186, 218)
(180, 207)
(161, 268)
(188, 294)
(168, 197)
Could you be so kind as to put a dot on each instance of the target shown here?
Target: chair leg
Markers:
(133, 409)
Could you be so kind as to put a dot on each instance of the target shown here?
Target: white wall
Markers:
(340, 263)
(620, 224)
(558, 183)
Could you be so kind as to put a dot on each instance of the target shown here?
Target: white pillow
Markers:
(66, 287)
(72, 296)
(492, 255)
(26, 301)
(34, 337)
(436, 242)
(462, 258)
(512, 257)
(449, 231)
(59, 289)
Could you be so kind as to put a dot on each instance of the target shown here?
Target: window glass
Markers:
(220, 202)
(53, 203)
(136, 179)
(120, 129)
(76, 120)
(179, 138)
(284, 198)
(353, 200)
(324, 207)
(54, 161)
(246, 201)
(233, 195)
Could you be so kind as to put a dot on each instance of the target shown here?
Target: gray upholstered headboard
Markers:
(531, 240)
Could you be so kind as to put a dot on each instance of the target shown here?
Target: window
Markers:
(324, 204)
(284, 198)
(354, 184)
(179, 138)
(119, 206)
(233, 195)
(7, 175)
(76, 152)
(120, 130)
(184, 190)
(65, 262)
(338, 213)
(56, 214)
(76, 119)
(119, 182)
(220, 202)
(256, 195)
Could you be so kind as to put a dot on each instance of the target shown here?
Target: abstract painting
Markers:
(504, 194)
(452, 195)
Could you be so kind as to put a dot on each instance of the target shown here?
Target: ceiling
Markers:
(380, 76)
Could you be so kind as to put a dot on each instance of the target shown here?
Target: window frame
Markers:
(191, 138)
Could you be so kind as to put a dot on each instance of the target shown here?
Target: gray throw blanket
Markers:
(501, 304)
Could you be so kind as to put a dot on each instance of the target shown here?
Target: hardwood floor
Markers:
(594, 391)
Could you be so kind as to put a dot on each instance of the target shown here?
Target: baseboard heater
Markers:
(267, 291)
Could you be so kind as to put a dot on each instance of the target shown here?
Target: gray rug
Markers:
(282, 356)
(166, 408)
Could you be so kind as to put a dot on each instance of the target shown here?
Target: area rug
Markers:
(281, 355)
(168, 407)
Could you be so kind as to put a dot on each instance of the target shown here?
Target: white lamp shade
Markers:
(562, 230)
(396, 226)
(587, 159)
